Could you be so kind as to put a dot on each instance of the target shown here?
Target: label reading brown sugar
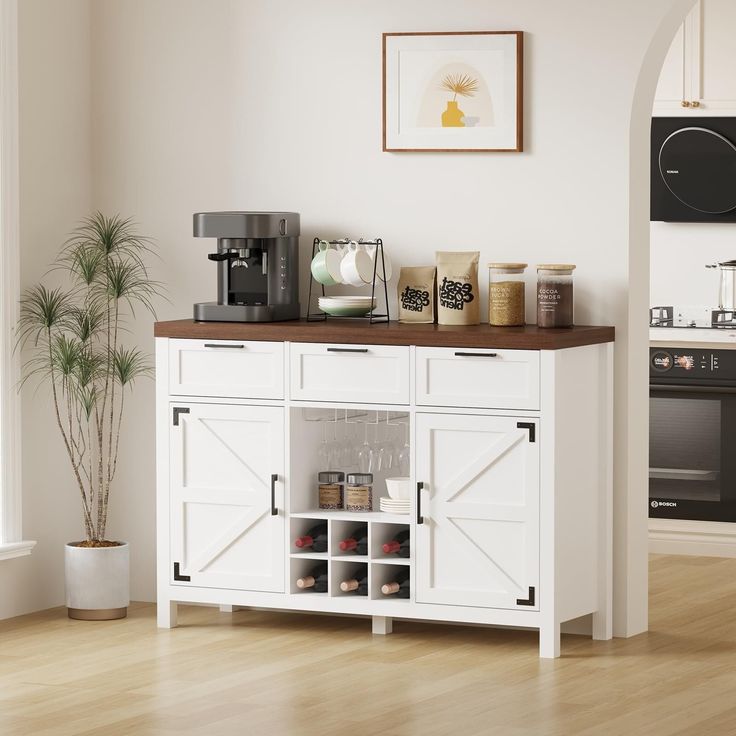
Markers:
(330, 496)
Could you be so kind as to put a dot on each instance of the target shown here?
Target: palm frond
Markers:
(41, 311)
(129, 364)
(460, 84)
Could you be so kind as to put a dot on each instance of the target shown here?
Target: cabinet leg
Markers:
(228, 609)
(166, 614)
(549, 641)
(602, 625)
(382, 624)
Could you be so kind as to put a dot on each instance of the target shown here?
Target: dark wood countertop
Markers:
(356, 332)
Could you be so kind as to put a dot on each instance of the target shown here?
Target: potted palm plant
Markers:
(74, 337)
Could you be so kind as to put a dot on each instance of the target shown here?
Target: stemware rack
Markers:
(372, 317)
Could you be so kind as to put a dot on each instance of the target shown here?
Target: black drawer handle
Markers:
(477, 355)
(347, 350)
(274, 510)
(420, 487)
(223, 345)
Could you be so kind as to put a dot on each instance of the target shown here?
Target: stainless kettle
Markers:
(727, 287)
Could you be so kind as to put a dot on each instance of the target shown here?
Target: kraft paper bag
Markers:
(457, 288)
(416, 293)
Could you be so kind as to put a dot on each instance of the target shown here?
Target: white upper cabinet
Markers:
(697, 76)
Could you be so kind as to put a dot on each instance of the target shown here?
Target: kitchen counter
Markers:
(529, 337)
(692, 337)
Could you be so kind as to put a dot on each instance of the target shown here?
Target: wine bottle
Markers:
(316, 580)
(357, 584)
(315, 539)
(399, 545)
(399, 586)
(357, 542)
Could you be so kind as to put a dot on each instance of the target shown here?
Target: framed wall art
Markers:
(458, 91)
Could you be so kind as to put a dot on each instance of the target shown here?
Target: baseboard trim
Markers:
(684, 537)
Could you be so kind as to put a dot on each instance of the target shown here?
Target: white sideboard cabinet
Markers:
(509, 435)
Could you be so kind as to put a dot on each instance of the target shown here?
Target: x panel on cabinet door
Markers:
(478, 544)
(226, 483)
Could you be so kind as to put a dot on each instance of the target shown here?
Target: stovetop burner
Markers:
(693, 318)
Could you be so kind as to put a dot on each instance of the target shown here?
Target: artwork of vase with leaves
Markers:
(458, 84)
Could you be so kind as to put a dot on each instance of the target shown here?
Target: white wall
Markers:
(276, 105)
(679, 252)
(55, 192)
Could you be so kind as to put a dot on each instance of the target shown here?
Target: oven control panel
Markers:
(688, 364)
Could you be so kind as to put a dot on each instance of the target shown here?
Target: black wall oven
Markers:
(692, 434)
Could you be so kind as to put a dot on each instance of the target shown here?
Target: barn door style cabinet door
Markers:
(508, 444)
(697, 75)
(226, 476)
(478, 511)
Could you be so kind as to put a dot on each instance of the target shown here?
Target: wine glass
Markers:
(364, 452)
(323, 452)
(387, 448)
(404, 457)
(334, 449)
(377, 455)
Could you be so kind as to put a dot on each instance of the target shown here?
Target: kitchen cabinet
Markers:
(226, 475)
(478, 515)
(509, 436)
(697, 75)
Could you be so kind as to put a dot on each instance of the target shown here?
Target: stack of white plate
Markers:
(395, 505)
(347, 306)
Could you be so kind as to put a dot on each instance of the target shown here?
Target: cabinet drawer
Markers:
(230, 368)
(487, 379)
(377, 374)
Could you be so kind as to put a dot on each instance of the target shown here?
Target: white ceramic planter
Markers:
(97, 581)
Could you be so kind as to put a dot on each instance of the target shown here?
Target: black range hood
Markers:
(693, 169)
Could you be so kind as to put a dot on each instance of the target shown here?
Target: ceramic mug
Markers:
(356, 267)
(325, 265)
(375, 255)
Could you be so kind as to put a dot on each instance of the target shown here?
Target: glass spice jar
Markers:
(331, 495)
(359, 492)
(554, 295)
(506, 294)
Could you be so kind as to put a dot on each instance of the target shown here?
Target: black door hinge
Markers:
(531, 427)
(178, 576)
(528, 601)
(179, 410)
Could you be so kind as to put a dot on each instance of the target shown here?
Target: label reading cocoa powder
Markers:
(359, 498)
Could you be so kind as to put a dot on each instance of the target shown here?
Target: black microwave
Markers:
(693, 169)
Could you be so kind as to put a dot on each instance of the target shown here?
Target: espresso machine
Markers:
(257, 266)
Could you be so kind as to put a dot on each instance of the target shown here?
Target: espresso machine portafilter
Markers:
(257, 266)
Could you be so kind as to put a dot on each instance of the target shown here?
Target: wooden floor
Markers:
(275, 674)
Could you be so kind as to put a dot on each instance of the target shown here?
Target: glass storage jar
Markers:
(359, 492)
(331, 494)
(506, 294)
(554, 295)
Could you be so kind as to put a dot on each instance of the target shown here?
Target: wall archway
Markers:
(631, 462)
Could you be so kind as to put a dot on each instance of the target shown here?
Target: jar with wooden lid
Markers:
(554, 295)
(506, 294)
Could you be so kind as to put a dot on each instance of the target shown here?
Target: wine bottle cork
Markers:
(390, 588)
(306, 582)
(348, 585)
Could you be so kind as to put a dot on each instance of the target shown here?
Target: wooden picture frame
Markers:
(422, 70)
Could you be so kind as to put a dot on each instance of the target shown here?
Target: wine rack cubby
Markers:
(341, 570)
(381, 567)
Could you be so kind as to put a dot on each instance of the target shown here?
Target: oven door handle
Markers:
(692, 389)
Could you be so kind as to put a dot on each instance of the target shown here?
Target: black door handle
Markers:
(274, 510)
(223, 345)
(420, 487)
(476, 355)
(347, 350)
